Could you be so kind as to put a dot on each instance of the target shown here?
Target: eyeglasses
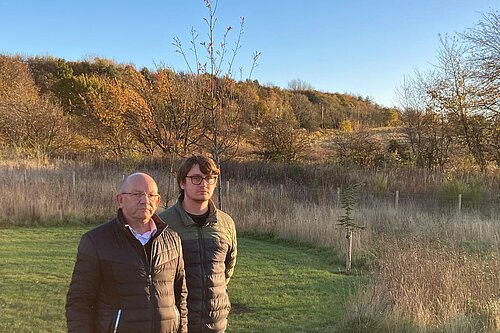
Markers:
(196, 180)
(138, 195)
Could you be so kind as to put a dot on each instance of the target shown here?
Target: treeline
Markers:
(52, 107)
(447, 118)
(452, 112)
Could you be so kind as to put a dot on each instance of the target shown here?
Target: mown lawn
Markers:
(277, 287)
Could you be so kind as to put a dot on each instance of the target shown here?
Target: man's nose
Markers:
(144, 198)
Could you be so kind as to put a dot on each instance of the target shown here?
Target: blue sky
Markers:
(361, 47)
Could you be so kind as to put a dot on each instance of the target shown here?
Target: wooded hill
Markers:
(51, 106)
(449, 117)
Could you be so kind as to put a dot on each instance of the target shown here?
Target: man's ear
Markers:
(119, 200)
(182, 185)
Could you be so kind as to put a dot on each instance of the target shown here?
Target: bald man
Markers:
(129, 272)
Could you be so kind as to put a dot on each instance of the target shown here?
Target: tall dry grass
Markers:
(432, 287)
(60, 192)
(434, 270)
(274, 209)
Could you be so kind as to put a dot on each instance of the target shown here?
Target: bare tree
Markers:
(484, 44)
(456, 93)
(458, 102)
(427, 129)
(217, 95)
(299, 85)
(484, 47)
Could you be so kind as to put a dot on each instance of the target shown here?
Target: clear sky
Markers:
(361, 47)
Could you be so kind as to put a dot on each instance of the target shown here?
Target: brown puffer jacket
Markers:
(114, 285)
(209, 257)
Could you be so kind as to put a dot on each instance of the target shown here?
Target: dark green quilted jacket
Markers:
(209, 259)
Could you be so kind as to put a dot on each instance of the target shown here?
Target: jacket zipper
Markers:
(149, 271)
(203, 276)
(150, 278)
(117, 320)
(150, 283)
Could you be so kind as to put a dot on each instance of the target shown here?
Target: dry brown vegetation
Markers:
(438, 286)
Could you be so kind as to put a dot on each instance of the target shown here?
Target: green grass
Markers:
(277, 286)
(282, 288)
(35, 270)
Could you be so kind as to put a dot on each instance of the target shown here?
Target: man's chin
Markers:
(145, 215)
(202, 198)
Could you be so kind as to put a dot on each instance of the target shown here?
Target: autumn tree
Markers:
(46, 71)
(30, 123)
(251, 102)
(165, 112)
(305, 112)
(105, 102)
(279, 138)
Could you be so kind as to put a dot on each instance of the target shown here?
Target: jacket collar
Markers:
(188, 221)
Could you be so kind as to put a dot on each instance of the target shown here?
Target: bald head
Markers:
(138, 177)
(138, 199)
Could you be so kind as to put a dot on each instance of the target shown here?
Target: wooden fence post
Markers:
(74, 180)
(459, 204)
(396, 200)
(338, 196)
(348, 257)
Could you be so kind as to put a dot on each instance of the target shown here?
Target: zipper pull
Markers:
(150, 280)
(118, 315)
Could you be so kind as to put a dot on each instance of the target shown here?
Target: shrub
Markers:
(472, 190)
(381, 184)
(345, 125)
(280, 141)
(359, 148)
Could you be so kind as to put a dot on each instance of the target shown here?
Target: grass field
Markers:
(277, 286)
(428, 267)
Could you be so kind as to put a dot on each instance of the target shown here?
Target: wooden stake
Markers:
(459, 204)
(348, 257)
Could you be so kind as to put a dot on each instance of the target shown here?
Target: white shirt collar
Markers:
(145, 237)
